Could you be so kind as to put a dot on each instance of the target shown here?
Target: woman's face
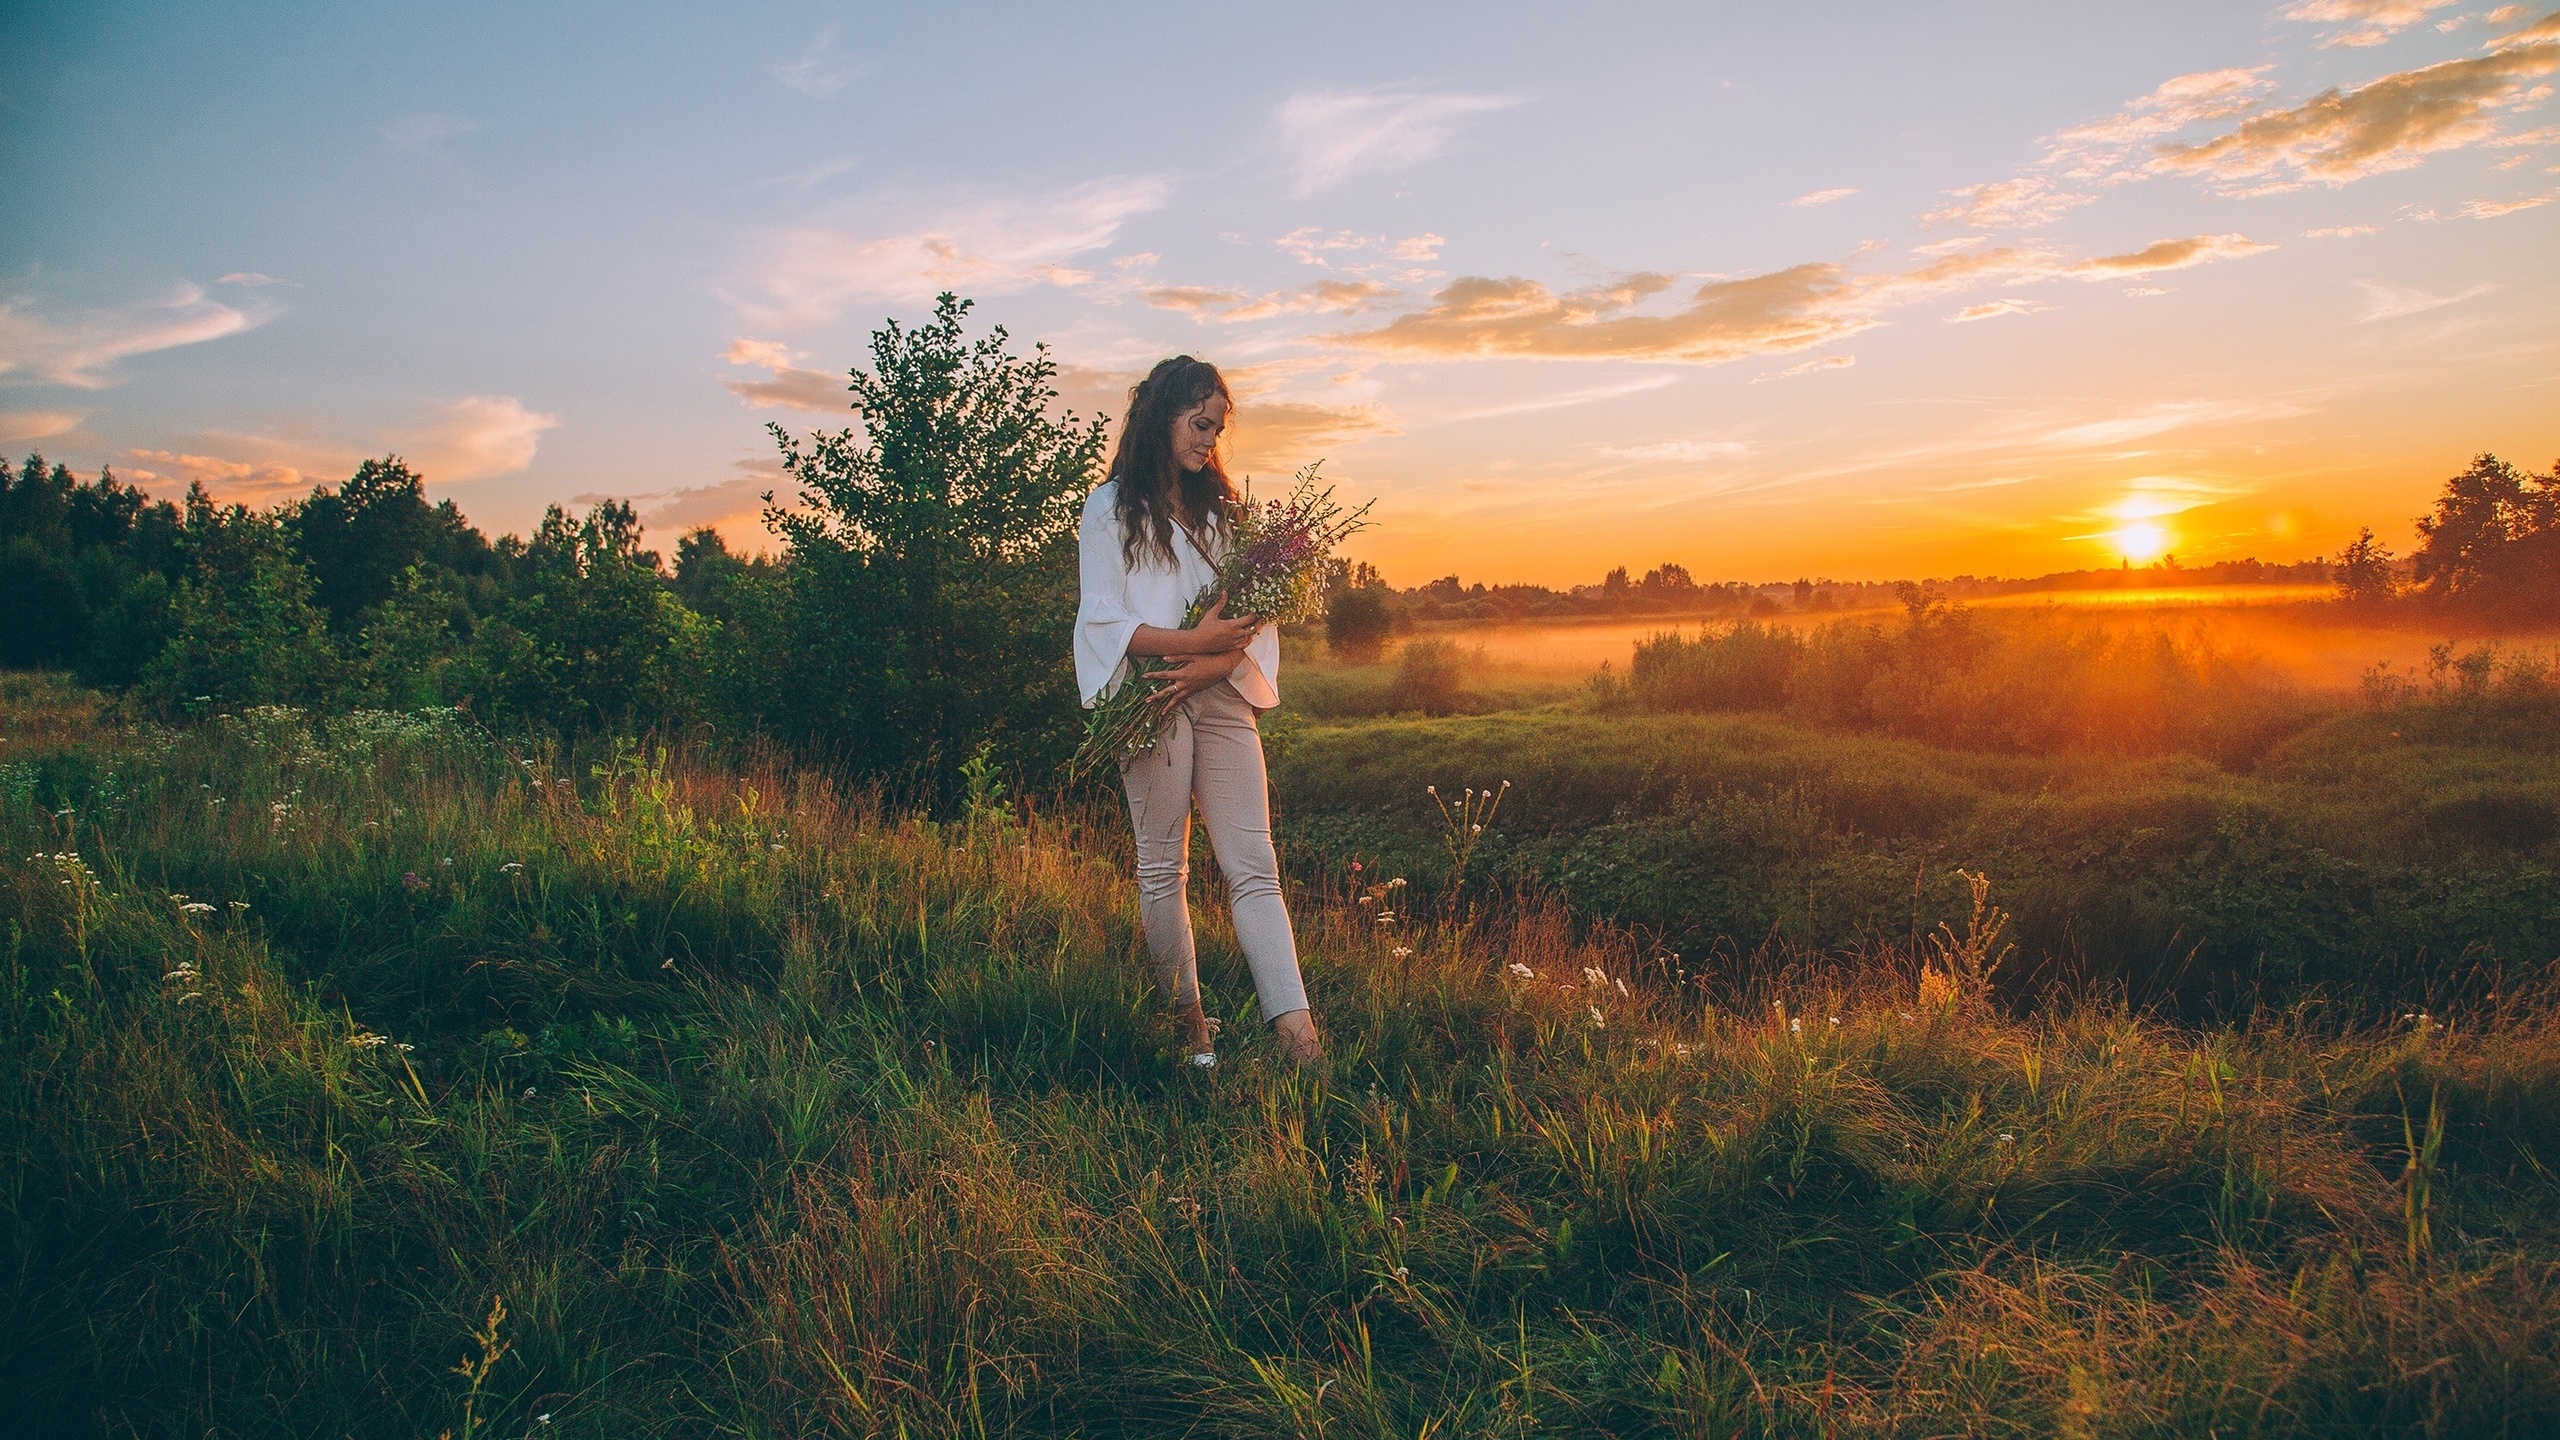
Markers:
(1196, 432)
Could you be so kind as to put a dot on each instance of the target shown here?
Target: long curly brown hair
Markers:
(1150, 478)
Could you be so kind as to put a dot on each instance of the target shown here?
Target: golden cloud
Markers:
(2169, 255)
(2372, 21)
(1324, 297)
(2392, 123)
(787, 386)
(1798, 308)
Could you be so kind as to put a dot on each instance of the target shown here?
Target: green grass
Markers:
(2372, 855)
(768, 1114)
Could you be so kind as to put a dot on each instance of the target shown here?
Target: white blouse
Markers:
(1118, 598)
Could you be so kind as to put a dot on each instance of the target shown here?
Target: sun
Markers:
(2139, 542)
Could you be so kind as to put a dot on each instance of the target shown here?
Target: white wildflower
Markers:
(1523, 971)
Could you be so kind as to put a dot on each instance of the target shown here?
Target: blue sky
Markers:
(1879, 290)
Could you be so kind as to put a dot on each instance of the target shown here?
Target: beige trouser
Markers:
(1211, 753)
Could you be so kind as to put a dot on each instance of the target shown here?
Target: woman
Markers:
(1150, 538)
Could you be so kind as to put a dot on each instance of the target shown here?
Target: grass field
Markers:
(369, 1076)
(2224, 835)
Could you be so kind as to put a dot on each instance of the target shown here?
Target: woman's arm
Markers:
(1214, 635)
(1195, 674)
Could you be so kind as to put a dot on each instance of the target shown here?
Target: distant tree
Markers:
(1613, 586)
(360, 538)
(596, 640)
(2364, 571)
(44, 614)
(413, 649)
(1358, 622)
(933, 563)
(242, 625)
(2493, 539)
(709, 574)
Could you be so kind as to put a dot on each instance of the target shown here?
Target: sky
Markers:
(1863, 291)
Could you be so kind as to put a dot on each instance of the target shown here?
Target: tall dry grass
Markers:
(767, 1113)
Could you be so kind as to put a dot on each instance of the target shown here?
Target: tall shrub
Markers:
(932, 559)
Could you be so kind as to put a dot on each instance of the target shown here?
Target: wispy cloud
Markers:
(1820, 363)
(820, 72)
(479, 437)
(2169, 255)
(1994, 309)
(18, 425)
(1679, 452)
(249, 280)
(806, 275)
(81, 350)
(2369, 22)
(1324, 297)
(2020, 204)
(2337, 232)
(2390, 302)
(1332, 135)
(785, 386)
(2340, 136)
(1798, 308)
(1822, 197)
(2092, 151)
(1310, 245)
(246, 481)
(427, 134)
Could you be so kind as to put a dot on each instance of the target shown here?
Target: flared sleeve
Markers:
(1104, 617)
(1258, 678)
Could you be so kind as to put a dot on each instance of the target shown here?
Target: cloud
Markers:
(1825, 362)
(2340, 136)
(2151, 420)
(1798, 308)
(1822, 197)
(2089, 152)
(2390, 302)
(80, 351)
(426, 134)
(819, 74)
(822, 171)
(249, 482)
(2169, 255)
(2492, 209)
(2337, 232)
(17, 425)
(1309, 245)
(2019, 204)
(1335, 134)
(2372, 21)
(805, 275)
(1271, 435)
(1324, 297)
(248, 280)
(1993, 309)
(478, 437)
(787, 386)
(1681, 452)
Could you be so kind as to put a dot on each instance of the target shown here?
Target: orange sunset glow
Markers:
(1907, 302)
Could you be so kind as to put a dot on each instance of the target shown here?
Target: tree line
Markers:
(914, 618)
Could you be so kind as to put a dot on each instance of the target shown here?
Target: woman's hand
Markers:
(1216, 634)
(1220, 635)
(1195, 674)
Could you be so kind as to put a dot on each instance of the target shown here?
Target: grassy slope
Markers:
(2411, 843)
(768, 1116)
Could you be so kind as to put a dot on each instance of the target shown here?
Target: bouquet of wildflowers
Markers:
(1277, 557)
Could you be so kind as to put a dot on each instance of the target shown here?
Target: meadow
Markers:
(373, 1073)
(2191, 822)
